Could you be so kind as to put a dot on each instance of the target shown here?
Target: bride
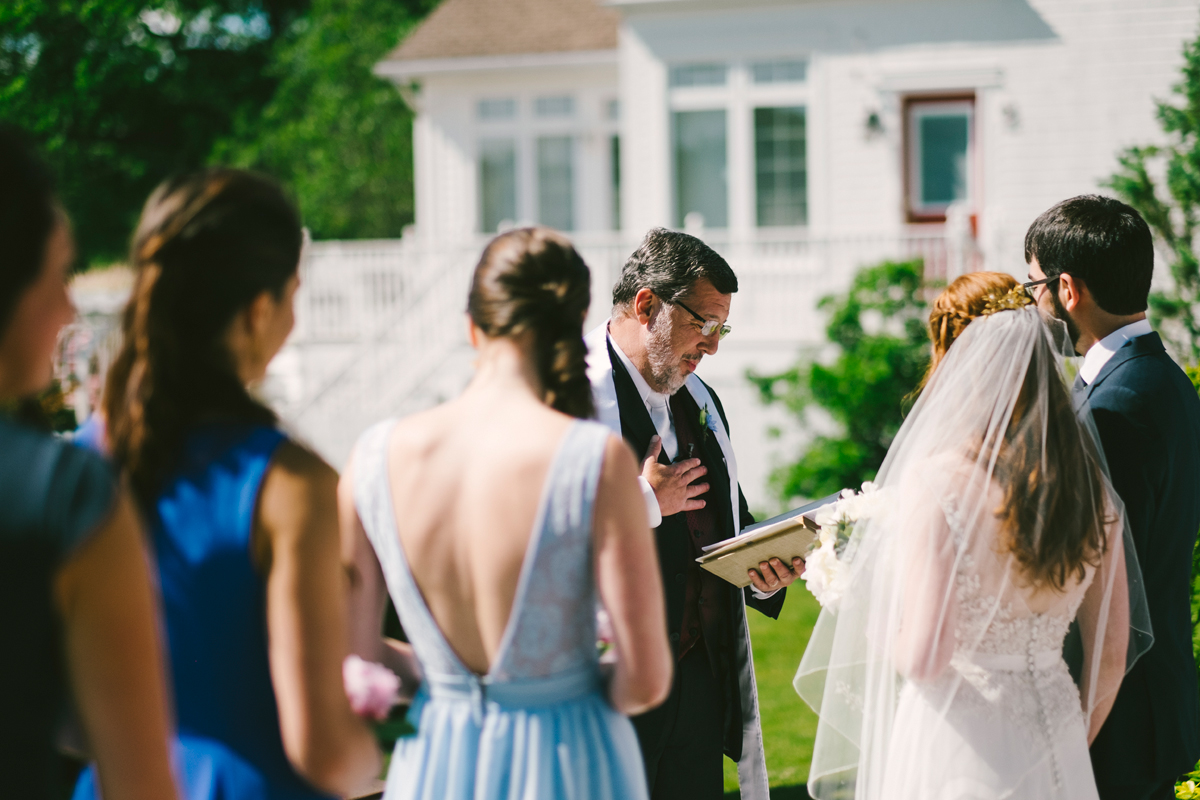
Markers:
(940, 673)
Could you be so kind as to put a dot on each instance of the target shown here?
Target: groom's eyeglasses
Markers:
(1029, 286)
(707, 326)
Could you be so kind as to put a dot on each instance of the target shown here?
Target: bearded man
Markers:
(670, 308)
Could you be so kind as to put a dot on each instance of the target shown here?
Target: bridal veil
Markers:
(995, 527)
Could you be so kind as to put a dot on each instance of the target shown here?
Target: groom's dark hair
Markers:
(1100, 241)
(669, 263)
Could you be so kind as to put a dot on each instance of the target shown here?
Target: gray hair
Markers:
(669, 263)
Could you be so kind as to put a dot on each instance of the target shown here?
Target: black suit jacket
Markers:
(675, 555)
(1148, 417)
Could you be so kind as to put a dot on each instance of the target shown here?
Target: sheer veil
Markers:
(995, 525)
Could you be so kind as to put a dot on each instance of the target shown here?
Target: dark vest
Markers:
(705, 612)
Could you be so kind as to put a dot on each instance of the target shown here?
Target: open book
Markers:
(787, 536)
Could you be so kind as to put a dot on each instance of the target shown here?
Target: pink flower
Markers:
(371, 688)
(604, 628)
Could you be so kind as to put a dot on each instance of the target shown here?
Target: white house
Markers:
(801, 138)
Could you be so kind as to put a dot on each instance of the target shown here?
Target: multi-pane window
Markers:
(698, 75)
(780, 171)
(779, 71)
(494, 108)
(939, 138)
(555, 182)
(497, 183)
(700, 158)
(557, 106)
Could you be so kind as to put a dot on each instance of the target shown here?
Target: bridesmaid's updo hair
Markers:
(531, 279)
(28, 214)
(206, 246)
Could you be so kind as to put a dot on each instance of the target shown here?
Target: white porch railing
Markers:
(380, 327)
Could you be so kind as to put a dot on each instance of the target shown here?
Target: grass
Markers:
(789, 725)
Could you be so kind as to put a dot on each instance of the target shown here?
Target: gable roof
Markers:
(465, 28)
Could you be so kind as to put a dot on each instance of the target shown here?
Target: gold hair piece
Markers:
(1016, 298)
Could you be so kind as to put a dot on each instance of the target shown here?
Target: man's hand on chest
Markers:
(673, 483)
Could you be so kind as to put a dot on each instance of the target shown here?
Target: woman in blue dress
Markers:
(243, 520)
(76, 601)
(497, 520)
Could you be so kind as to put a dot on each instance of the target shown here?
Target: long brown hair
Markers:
(207, 244)
(1053, 512)
(531, 279)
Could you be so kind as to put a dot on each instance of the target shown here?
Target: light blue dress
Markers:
(539, 724)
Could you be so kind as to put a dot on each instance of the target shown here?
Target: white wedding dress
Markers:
(1004, 718)
(939, 674)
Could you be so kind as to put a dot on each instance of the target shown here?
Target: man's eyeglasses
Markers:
(1029, 286)
(707, 326)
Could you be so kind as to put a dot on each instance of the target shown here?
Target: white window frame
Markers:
(916, 107)
(738, 98)
(589, 125)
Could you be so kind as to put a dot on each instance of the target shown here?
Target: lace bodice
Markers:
(993, 615)
(552, 627)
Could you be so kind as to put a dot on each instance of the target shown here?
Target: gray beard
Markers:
(666, 377)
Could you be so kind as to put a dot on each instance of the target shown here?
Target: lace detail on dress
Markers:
(1007, 661)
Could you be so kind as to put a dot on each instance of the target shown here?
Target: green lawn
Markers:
(789, 725)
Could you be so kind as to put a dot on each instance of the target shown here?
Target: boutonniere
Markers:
(708, 422)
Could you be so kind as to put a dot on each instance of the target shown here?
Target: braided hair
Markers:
(531, 279)
(206, 246)
(965, 299)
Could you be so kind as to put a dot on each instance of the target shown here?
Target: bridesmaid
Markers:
(497, 520)
(76, 603)
(243, 520)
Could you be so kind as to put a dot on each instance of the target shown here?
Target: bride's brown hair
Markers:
(531, 279)
(1052, 514)
(1054, 511)
(959, 303)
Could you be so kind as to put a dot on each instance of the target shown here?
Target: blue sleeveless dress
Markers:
(214, 605)
(539, 724)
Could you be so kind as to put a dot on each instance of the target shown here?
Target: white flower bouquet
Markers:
(827, 565)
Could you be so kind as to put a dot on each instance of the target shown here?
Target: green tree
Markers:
(339, 136)
(121, 93)
(878, 328)
(1163, 183)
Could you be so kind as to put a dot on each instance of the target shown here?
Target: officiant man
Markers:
(670, 308)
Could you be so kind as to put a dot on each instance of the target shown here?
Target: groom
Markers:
(669, 311)
(1090, 262)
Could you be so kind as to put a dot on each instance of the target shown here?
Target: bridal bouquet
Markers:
(374, 694)
(827, 565)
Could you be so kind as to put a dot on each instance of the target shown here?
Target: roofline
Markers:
(401, 69)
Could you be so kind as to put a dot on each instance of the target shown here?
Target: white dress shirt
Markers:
(1104, 349)
(660, 414)
(656, 403)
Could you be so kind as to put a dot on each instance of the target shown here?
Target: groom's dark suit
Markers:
(659, 729)
(1148, 417)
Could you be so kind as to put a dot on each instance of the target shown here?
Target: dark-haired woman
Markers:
(243, 520)
(495, 520)
(76, 603)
